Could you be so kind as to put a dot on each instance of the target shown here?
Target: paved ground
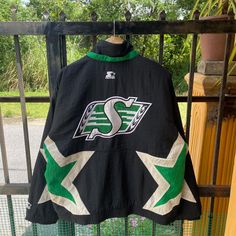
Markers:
(13, 131)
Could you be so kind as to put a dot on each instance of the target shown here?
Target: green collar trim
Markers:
(102, 57)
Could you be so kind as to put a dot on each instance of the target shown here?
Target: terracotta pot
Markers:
(213, 45)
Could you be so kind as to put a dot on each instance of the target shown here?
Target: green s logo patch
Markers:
(116, 115)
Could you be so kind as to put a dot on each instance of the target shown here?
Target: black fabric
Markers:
(113, 50)
(114, 182)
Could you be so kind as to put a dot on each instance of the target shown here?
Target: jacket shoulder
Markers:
(76, 65)
(154, 66)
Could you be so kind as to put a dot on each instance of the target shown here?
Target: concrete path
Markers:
(13, 131)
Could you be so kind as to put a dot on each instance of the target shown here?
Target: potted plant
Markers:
(212, 46)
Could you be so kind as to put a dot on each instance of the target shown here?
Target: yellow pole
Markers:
(230, 229)
(202, 144)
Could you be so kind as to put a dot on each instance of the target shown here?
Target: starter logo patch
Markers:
(110, 75)
(116, 115)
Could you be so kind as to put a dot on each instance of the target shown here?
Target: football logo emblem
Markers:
(116, 115)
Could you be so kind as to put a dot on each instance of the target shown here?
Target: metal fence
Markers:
(55, 36)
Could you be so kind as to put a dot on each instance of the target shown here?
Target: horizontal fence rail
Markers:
(122, 27)
(204, 190)
(45, 99)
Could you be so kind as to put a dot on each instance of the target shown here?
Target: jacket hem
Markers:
(118, 213)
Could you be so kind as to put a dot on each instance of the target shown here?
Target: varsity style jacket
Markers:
(113, 144)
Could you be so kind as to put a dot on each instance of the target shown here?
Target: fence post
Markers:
(23, 106)
(94, 18)
(6, 176)
(128, 16)
(162, 17)
(56, 59)
(63, 52)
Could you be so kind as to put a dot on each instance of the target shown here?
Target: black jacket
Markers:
(113, 144)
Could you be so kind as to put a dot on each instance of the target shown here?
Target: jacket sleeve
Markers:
(189, 175)
(175, 108)
(40, 208)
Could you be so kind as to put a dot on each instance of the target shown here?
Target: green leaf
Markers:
(233, 4)
(230, 71)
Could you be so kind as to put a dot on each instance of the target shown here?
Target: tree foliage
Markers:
(33, 47)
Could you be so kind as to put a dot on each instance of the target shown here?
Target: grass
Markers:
(40, 110)
(34, 110)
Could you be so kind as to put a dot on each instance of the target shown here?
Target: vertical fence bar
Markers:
(56, 59)
(23, 107)
(162, 17)
(190, 88)
(53, 44)
(154, 226)
(229, 38)
(6, 176)
(126, 226)
(22, 101)
(94, 18)
(98, 229)
(191, 78)
(67, 228)
(62, 39)
(128, 18)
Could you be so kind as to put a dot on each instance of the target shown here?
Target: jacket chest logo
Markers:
(110, 75)
(116, 115)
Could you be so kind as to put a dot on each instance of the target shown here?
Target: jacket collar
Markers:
(106, 51)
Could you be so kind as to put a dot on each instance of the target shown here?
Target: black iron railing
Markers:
(55, 36)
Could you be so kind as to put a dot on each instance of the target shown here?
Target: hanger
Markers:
(114, 39)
